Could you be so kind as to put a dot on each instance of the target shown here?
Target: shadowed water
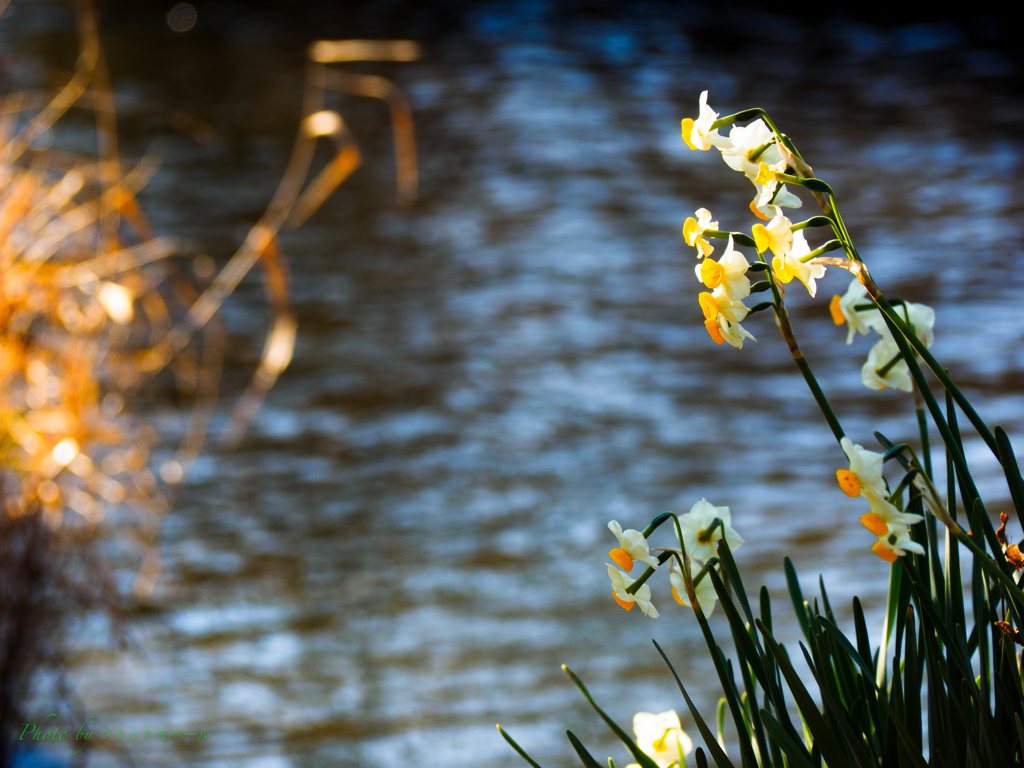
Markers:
(411, 539)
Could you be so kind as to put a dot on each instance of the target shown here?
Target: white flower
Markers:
(743, 140)
(865, 473)
(881, 355)
(734, 333)
(705, 590)
(860, 320)
(693, 232)
(697, 133)
(777, 235)
(884, 519)
(790, 265)
(700, 541)
(632, 546)
(728, 275)
(921, 318)
(783, 199)
(722, 318)
(620, 582)
(661, 737)
(896, 544)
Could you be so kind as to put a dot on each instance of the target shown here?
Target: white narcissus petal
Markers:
(661, 737)
(698, 520)
(860, 321)
(898, 377)
(866, 465)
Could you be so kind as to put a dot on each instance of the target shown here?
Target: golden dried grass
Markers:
(94, 305)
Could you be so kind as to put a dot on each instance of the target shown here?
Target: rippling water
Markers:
(411, 538)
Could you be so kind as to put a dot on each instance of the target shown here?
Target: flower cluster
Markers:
(885, 366)
(701, 529)
(890, 525)
(661, 737)
(753, 150)
(750, 149)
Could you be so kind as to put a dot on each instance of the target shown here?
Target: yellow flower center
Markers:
(837, 311)
(874, 523)
(705, 536)
(884, 552)
(678, 599)
(708, 305)
(782, 269)
(627, 605)
(688, 131)
(690, 231)
(849, 482)
(712, 273)
(765, 175)
(661, 745)
(762, 237)
(622, 559)
(714, 330)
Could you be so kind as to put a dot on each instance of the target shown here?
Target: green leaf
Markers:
(517, 748)
(912, 681)
(823, 737)
(760, 286)
(638, 754)
(797, 596)
(818, 221)
(585, 757)
(817, 185)
(721, 759)
(757, 266)
(760, 307)
(795, 752)
(853, 740)
(744, 642)
(1012, 471)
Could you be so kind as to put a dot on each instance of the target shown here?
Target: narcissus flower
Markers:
(726, 276)
(632, 546)
(722, 318)
(697, 133)
(880, 372)
(896, 544)
(620, 582)
(861, 321)
(884, 519)
(705, 590)
(700, 540)
(777, 235)
(661, 737)
(693, 231)
(767, 210)
(921, 318)
(865, 472)
(743, 140)
(789, 266)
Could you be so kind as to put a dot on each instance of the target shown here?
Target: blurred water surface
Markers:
(411, 538)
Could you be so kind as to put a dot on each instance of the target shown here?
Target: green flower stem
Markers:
(819, 396)
(648, 572)
(884, 370)
(936, 369)
(922, 424)
(831, 245)
(786, 329)
(818, 221)
(754, 154)
(973, 497)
